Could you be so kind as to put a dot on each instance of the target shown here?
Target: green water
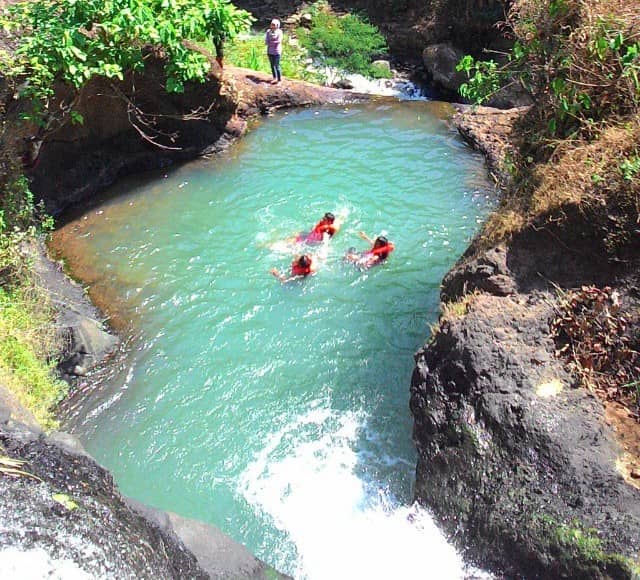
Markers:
(280, 412)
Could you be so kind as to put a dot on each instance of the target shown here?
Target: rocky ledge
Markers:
(523, 467)
(62, 517)
(512, 457)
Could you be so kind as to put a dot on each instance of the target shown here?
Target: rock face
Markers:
(135, 126)
(489, 130)
(517, 461)
(62, 516)
(440, 62)
(511, 455)
(84, 340)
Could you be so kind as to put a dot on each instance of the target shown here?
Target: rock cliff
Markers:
(524, 467)
(520, 465)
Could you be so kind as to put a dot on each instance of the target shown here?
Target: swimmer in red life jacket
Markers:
(327, 225)
(301, 267)
(378, 253)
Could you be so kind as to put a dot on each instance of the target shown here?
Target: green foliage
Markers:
(20, 216)
(71, 41)
(26, 341)
(610, 44)
(580, 69)
(630, 167)
(27, 334)
(585, 541)
(348, 43)
(484, 79)
(581, 550)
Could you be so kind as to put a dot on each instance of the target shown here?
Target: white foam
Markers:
(306, 479)
(397, 86)
(35, 564)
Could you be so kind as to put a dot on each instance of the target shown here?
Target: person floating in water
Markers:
(301, 267)
(378, 253)
(328, 225)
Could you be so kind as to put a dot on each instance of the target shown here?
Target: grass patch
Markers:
(27, 342)
(457, 308)
(27, 335)
(249, 51)
(452, 310)
(576, 545)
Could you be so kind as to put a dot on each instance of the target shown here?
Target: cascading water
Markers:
(279, 413)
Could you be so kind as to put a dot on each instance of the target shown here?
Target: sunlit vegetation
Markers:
(71, 41)
(27, 345)
(249, 51)
(346, 42)
(581, 63)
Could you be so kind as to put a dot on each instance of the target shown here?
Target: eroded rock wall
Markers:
(513, 458)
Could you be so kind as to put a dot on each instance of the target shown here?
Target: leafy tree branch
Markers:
(73, 41)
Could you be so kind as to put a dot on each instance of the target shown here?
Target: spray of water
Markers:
(307, 480)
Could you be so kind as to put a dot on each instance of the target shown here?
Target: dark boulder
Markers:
(517, 463)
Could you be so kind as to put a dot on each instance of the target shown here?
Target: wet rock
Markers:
(83, 338)
(384, 65)
(64, 517)
(343, 84)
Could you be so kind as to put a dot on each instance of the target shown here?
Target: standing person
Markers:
(273, 40)
(218, 43)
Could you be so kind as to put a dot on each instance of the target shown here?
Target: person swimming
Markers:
(380, 249)
(326, 226)
(301, 267)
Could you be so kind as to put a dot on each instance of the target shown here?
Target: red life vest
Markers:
(323, 227)
(382, 251)
(317, 233)
(298, 270)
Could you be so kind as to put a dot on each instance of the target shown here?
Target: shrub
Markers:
(71, 41)
(348, 43)
(581, 64)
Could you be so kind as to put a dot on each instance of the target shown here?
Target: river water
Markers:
(279, 413)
